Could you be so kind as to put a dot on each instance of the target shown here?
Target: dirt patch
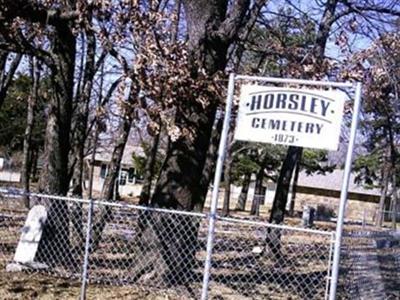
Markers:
(39, 286)
(35, 286)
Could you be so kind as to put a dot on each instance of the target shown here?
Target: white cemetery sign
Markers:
(31, 235)
(298, 117)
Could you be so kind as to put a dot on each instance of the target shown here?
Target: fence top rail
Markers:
(278, 226)
(297, 81)
(152, 209)
(20, 192)
(389, 211)
(372, 234)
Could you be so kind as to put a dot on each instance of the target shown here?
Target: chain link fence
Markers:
(255, 260)
(164, 251)
(370, 266)
(389, 218)
(150, 248)
(386, 219)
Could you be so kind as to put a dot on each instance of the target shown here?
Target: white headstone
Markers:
(31, 235)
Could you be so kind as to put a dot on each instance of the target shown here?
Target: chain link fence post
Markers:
(87, 250)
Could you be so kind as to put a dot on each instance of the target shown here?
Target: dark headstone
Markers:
(308, 216)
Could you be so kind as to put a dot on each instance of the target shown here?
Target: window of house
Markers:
(103, 171)
(139, 177)
(122, 177)
(131, 175)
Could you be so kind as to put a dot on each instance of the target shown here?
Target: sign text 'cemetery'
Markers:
(298, 117)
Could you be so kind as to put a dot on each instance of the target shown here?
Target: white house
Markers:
(128, 180)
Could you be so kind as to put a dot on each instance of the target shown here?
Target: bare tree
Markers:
(228, 174)
(333, 12)
(58, 21)
(241, 204)
(30, 120)
(212, 27)
(7, 76)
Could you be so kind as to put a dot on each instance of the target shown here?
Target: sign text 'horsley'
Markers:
(298, 117)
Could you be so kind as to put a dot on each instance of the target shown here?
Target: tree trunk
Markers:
(178, 185)
(385, 184)
(175, 23)
(294, 188)
(394, 201)
(273, 236)
(241, 204)
(80, 135)
(60, 59)
(393, 162)
(104, 214)
(34, 161)
(145, 193)
(97, 123)
(27, 156)
(211, 30)
(228, 171)
(54, 177)
(6, 78)
(282, 188)
(258, 193)
(92, 162)
(324, 28)
(178, 188)
(82, 115)
(209, 165)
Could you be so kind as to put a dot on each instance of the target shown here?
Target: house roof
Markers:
(333, 181)
(104, 155)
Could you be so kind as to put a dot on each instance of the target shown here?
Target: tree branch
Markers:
(34, 12)
(121, 59)
(245, 32)
(6, 81)
(372, 8)
(324, 28)
(27, 49)
(235, 19)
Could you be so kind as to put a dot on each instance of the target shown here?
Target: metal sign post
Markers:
(217, 179)
(343, 194)
(223, 142)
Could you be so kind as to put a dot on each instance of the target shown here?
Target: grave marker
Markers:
(31, 235)
(308, 216)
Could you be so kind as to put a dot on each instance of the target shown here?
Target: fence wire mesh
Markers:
(370, 266)
(389, 218)
(12, 218)
(155, 250)
(254, 260)
(148, 248)
(57, 265)
(62, 244)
